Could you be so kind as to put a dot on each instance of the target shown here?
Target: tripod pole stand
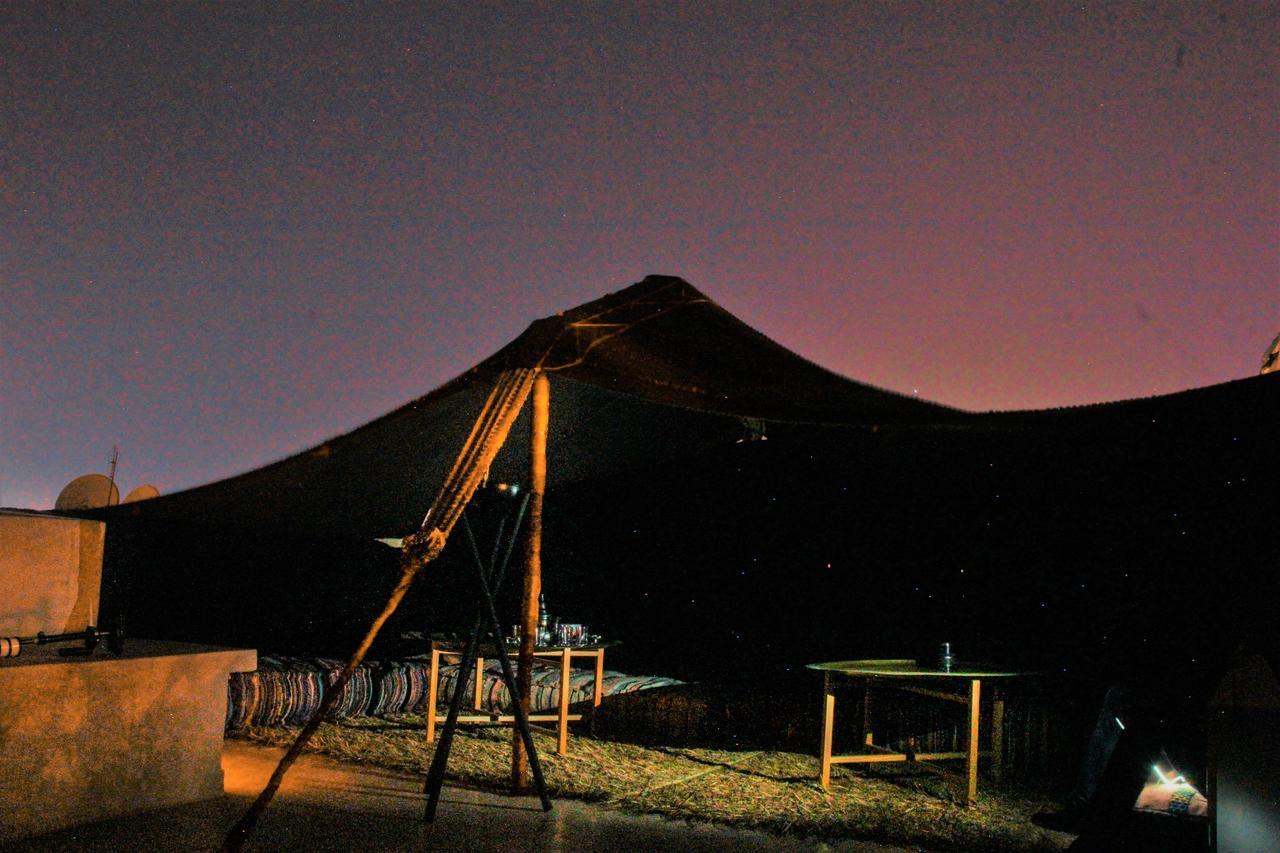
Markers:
(485, 612)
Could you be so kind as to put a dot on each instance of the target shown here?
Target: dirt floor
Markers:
(772, 791)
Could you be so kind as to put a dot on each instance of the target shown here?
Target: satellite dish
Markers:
(88, 492)
(1271, 361)
(145, 492)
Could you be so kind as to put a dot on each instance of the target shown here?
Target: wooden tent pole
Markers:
(541, 411)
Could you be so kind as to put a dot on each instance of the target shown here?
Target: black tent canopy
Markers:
(653, 374)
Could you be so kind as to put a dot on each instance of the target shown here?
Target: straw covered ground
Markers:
(767, 790)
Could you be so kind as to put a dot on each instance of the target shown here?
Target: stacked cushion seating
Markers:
(285, 691)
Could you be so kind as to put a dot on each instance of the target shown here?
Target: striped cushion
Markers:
(285, 691)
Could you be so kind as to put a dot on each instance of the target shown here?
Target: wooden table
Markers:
(562, 717)
(907, 676)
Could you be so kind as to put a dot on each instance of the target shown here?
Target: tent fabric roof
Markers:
(649, 373)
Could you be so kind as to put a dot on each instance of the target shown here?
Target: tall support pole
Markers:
(975, 708)
(541, 411)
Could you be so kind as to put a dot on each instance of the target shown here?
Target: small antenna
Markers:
(115, 457)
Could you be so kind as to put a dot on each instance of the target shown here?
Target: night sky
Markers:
(228, 232)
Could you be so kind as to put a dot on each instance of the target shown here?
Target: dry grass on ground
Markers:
(773, 791)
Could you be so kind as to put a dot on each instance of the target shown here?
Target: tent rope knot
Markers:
(423, 546)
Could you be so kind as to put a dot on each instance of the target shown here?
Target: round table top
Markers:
(911, 669)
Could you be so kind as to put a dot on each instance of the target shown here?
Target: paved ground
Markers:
(326, 805)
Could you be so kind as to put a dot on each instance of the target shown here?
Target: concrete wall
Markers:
(82, 739)
(50, 573)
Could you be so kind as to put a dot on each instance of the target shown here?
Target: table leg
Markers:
(564, 702)
(434, 680)
(997, 738)
(599, 676)
(479, 684)
(975, 696)
(828, 718)
(866, 712)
